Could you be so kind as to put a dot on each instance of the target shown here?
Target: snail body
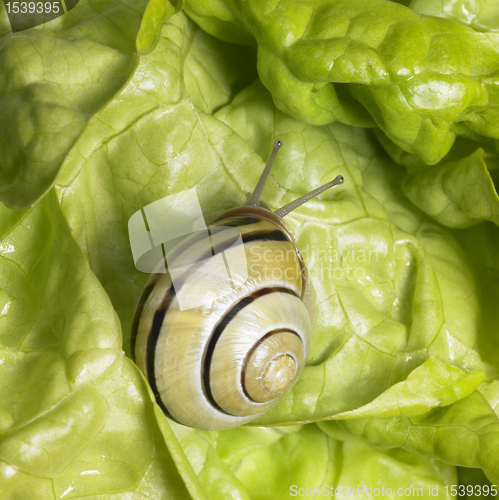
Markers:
(236, 353)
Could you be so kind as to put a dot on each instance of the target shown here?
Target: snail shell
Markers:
(230, 359)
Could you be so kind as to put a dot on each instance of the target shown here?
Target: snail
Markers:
(231, 358)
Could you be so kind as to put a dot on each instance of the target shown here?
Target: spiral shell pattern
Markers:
(231, 358)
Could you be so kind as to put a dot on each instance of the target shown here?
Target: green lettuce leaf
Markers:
(53, 80)
(369, 334)
(320, 386)
(430, 385)
(320, 62)
(456, 194)
(279, 462)
(460, 190)
(465, 433)
(404, 357)
(481, 15)
(68, 395)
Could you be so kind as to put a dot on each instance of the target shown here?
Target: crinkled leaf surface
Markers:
(481, 15)
(457, 194)
(417, 76)
(405, 327)
(262, 463)
(465, 433)
(68, 395)
(55, 77)
(430, 385)
(460, 190)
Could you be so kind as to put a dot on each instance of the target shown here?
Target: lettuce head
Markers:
(118, 103)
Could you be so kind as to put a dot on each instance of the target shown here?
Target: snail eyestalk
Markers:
(255, 197)
(281, 212)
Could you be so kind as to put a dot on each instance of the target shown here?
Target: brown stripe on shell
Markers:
(138, 311)
(255, 347)
(265, 214)
(191, 239)
(217, 332)
(152, 342)
(165, 304)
